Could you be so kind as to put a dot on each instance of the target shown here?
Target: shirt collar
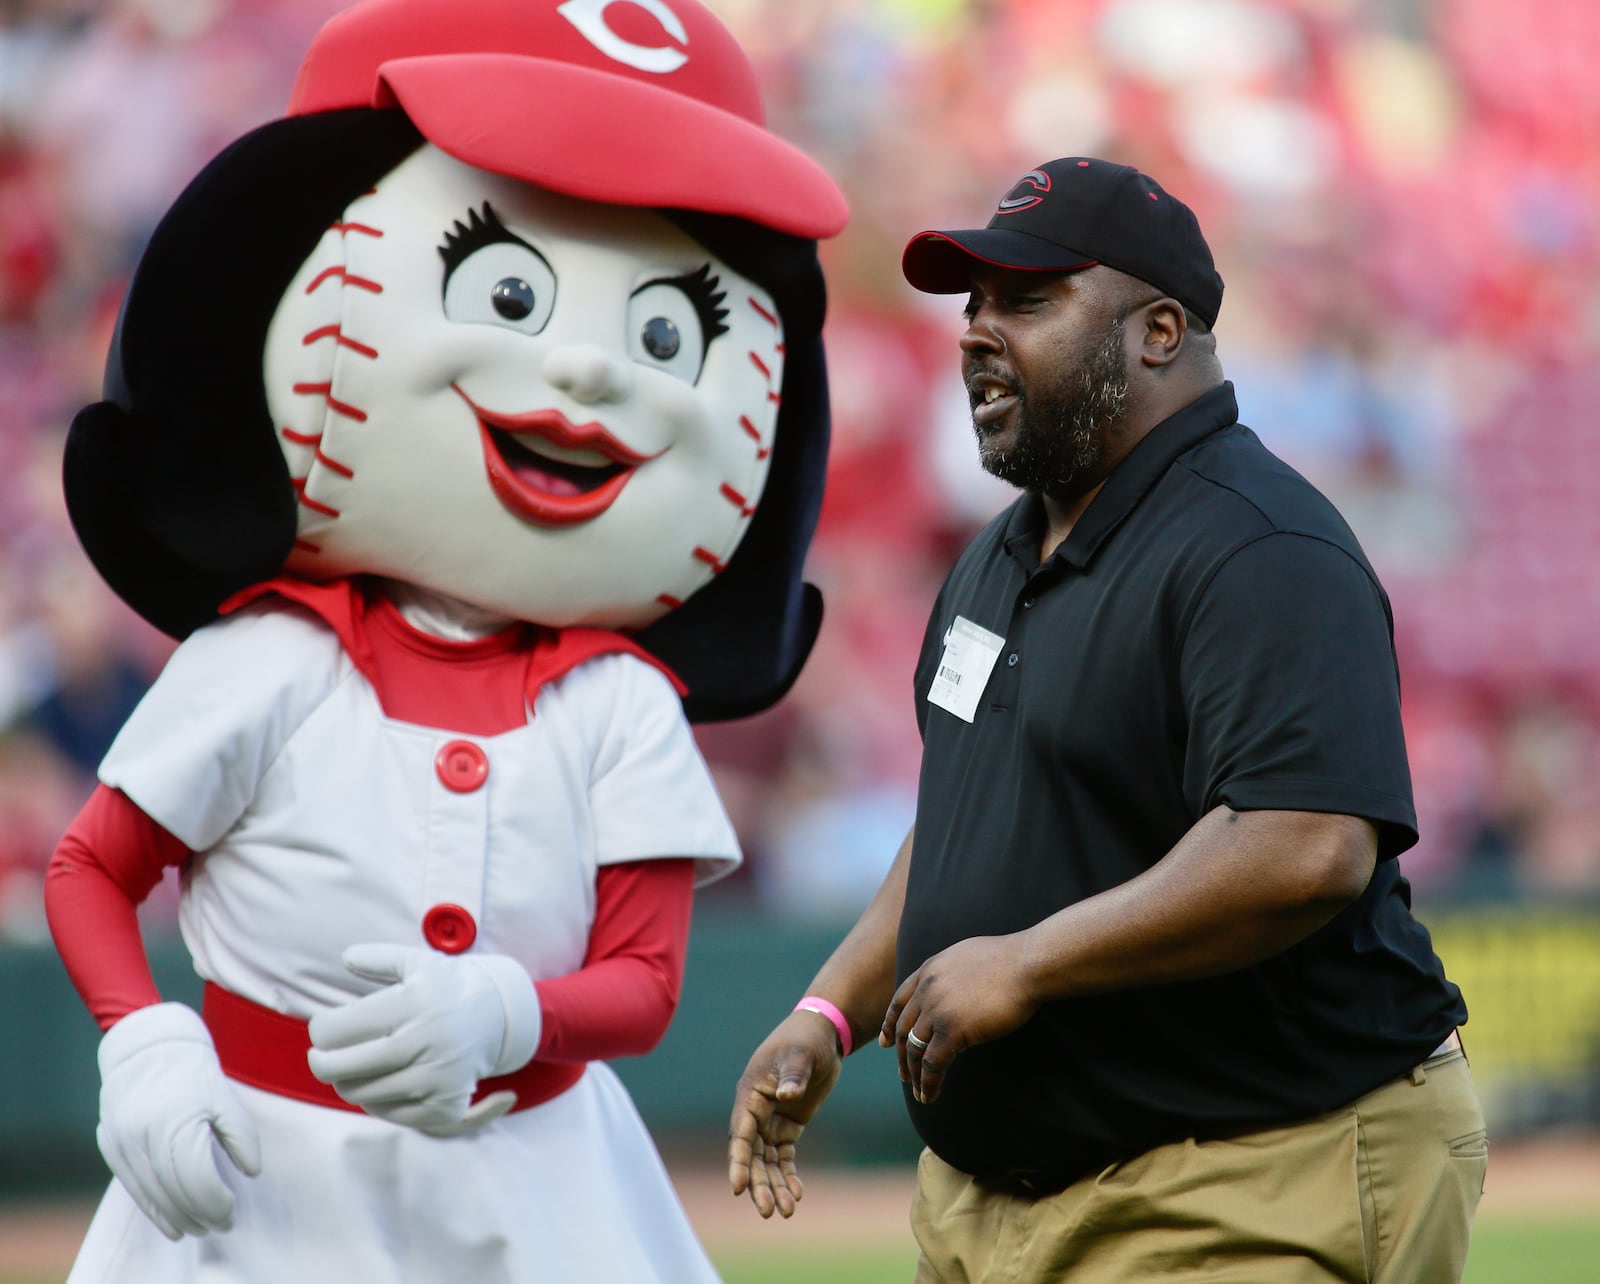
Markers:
(1144, 465)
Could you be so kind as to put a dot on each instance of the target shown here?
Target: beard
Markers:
(1062, 428)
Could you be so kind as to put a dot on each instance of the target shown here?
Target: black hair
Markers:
(175, 482)
(759, 611)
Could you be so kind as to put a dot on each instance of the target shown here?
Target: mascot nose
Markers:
(587, 372)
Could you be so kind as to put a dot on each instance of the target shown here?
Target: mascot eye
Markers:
(513, 298)
(665, 331)
(660, 338)
(505, 283)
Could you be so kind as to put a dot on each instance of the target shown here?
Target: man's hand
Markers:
(414, 1051)
(168, 1118)
(787, 1079)
(975, 991)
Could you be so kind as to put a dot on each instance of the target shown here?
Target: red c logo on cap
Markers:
(1012, 203)
(589, 17)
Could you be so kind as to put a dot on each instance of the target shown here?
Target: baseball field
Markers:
(1539, 1224)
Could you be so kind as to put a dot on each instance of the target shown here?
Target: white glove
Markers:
(165, 1109)
(414, 1051)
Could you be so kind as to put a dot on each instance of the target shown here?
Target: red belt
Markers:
(267, 1050)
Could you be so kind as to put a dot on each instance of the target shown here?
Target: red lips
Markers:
(544, 491)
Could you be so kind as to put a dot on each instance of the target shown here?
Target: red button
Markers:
(449, 929)
(462, 766)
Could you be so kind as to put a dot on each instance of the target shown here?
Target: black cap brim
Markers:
(942, 262)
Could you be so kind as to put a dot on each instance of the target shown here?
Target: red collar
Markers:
(385, 648)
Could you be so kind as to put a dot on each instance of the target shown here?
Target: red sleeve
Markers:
(620, 1002)
(106, 864)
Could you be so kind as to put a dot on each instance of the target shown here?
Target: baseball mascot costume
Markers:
(468, 425)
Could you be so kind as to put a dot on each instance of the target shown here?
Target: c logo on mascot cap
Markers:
(589, 17)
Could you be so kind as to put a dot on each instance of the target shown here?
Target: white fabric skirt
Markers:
(566, 1192)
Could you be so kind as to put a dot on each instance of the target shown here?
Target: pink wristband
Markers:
(811, 1003)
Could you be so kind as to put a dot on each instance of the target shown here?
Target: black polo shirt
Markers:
(1209, 633)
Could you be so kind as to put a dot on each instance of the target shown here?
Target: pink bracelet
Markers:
(821, 1006)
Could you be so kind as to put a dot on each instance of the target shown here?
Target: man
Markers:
(1149, 967)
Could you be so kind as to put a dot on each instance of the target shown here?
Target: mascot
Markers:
(468, 425)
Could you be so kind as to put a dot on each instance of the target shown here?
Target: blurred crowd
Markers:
(1404, 200)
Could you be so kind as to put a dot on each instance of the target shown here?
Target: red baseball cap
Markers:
(628, 102)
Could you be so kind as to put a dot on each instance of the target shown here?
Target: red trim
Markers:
(710, 559)
(267, 1050)
(1023, 267)
(314, 505)
(337, 603)
(325, 391)
(354, 227)
(338, 336)
(667, 600)
(360, 282)
(756, 304)
(342, 469)
(737, 500)
(761, 366)
(301, 438)
(754, 433)
(933, 262)
(342, 604)
(299, 483)
(565, 649)
(306, 546)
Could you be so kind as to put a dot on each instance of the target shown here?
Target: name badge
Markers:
(969, 655)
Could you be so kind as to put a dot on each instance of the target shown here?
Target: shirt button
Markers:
(449, 929)
(1027, 604)
(1012, 659)
(462, 766)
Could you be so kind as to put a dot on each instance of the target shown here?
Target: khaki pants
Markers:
(1382, 1190)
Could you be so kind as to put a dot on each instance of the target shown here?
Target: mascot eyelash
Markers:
(468, 238)
(705, 292)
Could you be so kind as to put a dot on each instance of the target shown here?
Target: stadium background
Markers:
(1404, 200)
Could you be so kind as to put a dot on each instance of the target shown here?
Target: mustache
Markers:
(975, 377)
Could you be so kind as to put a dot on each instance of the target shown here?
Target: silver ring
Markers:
(918, 1044)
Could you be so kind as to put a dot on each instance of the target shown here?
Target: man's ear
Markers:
(1165, 328)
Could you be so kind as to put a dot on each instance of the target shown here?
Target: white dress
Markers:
(323, 823)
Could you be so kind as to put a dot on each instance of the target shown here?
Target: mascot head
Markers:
(519, 304)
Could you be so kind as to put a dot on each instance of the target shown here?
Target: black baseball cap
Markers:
(1071, 214)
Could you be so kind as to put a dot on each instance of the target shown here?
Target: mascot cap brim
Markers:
(649, 104)
(602, 138)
